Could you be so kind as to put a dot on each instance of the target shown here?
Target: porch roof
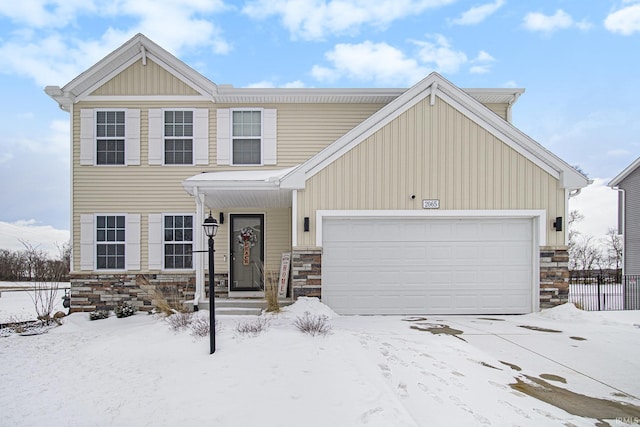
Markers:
(241, 189)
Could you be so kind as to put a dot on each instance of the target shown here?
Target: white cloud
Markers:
(561, 20)
(378, 62)
(388, 65)
(482, 63)
(316, 19)
(45, 13)
(44, 237)
(625, 21)
(441, 55)
(477, 14)
(54, 143)
(599, 205)
(56, 58)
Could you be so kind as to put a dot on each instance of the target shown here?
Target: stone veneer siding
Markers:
(306, 272)
(90, 292)
(554, 276)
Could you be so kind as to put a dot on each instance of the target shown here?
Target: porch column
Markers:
(199, 254)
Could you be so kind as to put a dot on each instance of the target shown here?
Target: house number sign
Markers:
(431, 204)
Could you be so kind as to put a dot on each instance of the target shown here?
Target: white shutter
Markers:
(223, 136)
(155, 136)
(201, 136)
(87, 247)
(132, 250)
(269, 130)
(87, 136)
(132, 135)
(155, 241)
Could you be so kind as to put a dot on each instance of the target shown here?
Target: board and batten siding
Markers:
(139, 79)
(432, 152)
(631, 231)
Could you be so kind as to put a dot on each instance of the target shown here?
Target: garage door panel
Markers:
(441, 266)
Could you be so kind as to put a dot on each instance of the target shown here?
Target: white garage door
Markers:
(427, 266)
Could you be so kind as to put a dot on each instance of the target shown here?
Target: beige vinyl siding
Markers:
(499, 109)
(434, 152)
(150, 79)
(303, 130)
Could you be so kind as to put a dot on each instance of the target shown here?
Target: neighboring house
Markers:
(398, 201)
(628, 185)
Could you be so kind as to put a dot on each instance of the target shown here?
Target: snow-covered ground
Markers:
(369, 371)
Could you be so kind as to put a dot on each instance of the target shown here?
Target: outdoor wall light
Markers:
(221, 220)
(306, 223)
(557, 224)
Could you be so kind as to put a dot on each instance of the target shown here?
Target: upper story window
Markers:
(110, 136)
(178, 241)
(178, 137)
(110, 242)
(246, 137)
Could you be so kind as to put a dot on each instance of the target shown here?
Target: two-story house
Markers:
(398, 201)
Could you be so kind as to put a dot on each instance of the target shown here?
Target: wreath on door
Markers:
(246, 240)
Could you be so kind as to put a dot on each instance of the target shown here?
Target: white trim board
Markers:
(540, 217)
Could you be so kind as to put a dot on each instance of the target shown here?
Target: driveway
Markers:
(595, 358)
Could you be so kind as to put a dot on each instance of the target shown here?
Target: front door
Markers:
(247, 254)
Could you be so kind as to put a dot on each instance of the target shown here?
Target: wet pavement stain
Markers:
(414, 319)
(575, 403)
(552, 377)
(578, 338)
(490, 366)
(437, 329)
(491, 318)
(537, 328)
(512, 366)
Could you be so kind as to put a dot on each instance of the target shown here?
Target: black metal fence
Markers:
(604, 290)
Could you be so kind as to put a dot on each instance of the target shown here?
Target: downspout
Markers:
(621, 221)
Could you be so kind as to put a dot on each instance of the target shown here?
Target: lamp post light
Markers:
(210, 229)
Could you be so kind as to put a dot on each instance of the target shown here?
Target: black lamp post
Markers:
(210, 229)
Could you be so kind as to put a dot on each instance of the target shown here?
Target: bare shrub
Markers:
(271, 279)
(167, 301)
(178, 321)
(313, 324)
(200, 327)
(253, 327)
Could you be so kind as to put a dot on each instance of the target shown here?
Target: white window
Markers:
(110, 136)
(109, 241)
(178, 136)
(246, 136)
(246, 141)
(178, 241)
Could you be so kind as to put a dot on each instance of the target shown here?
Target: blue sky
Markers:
(577, 60)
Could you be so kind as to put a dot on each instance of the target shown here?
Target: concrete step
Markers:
(240, 306)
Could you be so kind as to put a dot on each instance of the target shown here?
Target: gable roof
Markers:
(431, 86)
(625, 173)
(139, 47)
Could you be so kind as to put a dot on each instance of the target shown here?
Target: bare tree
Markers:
(613, 245)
